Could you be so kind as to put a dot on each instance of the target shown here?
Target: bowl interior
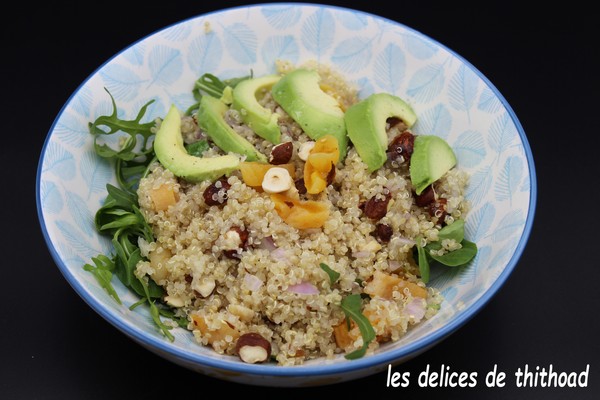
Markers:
(451, 98)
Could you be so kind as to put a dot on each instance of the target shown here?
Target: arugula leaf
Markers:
(423, 263)
(352, 305)
(197, 148)
(333, 275)
(120, 216)
(457, 257)
(132, 158)
(103, 274)
(210, 85)
(115, 124)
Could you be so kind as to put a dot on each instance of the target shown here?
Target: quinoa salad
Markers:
(304, 248)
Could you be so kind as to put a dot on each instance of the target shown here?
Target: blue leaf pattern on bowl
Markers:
(135, 54)
(502, 133)
(318, 32)
(279, 48)
(72, 130)
(282, 17)
(470, 149)
(122, 82)
(74, 239)
(508, 226)
(165, 65)
(241, 43)
(479, 222)
(353, 21)
(95, 172)
(462, 89)
(418, 47)
(509, 179)
(82, 215)
(488, 101)
(204, 53)
(59, 162)
(389, 68)
(427, 83)
(352, 54)
(434, 121)
(50, 197)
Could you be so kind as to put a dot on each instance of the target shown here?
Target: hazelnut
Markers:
(277, 180)
(253, 348)
(305, 149)
(206, 287)
(281, 154)
(235, 241)
(216, 193)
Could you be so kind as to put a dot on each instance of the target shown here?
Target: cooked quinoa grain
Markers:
(274, 286)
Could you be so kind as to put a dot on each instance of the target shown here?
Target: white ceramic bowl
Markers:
(451, 98)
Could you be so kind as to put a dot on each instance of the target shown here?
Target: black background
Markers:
(53, 346)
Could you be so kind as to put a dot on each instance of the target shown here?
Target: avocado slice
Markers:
(260, 119)
(366, 121)
(318, 113)
(210, 119)
(432, 157)
(169, 149)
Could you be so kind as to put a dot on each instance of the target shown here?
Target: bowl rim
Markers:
(419, 345)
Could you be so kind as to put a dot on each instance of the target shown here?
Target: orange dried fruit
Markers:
(253, 172)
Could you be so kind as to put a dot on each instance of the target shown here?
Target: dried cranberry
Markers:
(401, 147)
(438, 209)
(375, 208)
(211, 194)
(331, 175)
(383, 233)
(300, 186)
(426, 197)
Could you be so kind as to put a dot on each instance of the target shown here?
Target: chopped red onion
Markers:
(416, 309)
(303, 288)
(279, 254)
(361, 254)
(267, 243)
(403, 240)
(252, 282)
(393, 265)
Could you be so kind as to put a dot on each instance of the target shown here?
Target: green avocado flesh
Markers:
(432, 157)
(210, 119)
(260, 119)
(318, 113)
(169, 149)
(366, 123)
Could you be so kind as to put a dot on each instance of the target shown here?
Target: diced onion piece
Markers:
(416, 308)
(252, 282)
(303, 288)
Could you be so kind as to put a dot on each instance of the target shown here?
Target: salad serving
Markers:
(281, 218)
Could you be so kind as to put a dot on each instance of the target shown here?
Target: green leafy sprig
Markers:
(133, 156)
(352, 305)
(333, 275)
(455, 258)
(210, 85)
